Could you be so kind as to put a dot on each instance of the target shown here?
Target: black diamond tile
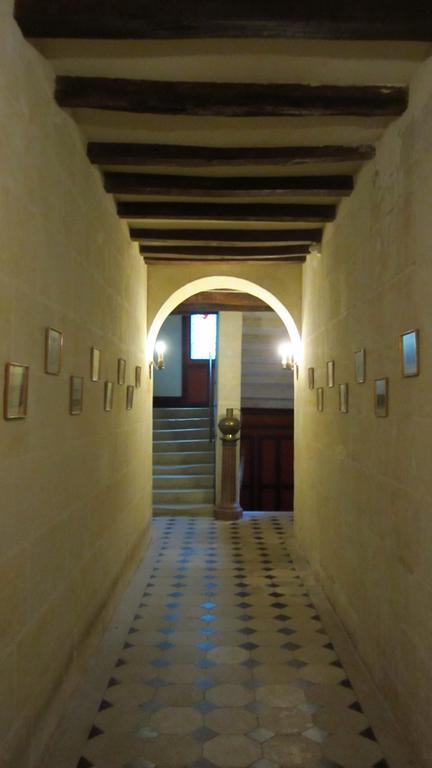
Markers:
(120, 663)
(249, 646)
(368, 734)
(356, 707)
(84, 763)
(278, 605)
(112, 682)
(286, 631)
(250, 663)
(105, 704)
(242, 594)
(291, 646)
(94, 731)
(276, 594)
(247, 631)
(244, 605)
(346, 683)
(282, 617)
(297, 664)
(336, 664)
(381, 764)
(245, 617)
(127, 645)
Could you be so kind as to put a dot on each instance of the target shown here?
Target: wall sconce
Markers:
(286, 352)
(159, 361)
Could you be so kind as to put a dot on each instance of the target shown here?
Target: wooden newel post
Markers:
(228, 507)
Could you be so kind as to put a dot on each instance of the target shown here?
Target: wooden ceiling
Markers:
(229, 131)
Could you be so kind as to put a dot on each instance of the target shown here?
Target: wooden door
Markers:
(267, 455)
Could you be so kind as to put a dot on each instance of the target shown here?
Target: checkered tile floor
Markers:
(226, 663)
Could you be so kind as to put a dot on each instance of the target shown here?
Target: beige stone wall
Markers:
(75, 491)
(364, 485)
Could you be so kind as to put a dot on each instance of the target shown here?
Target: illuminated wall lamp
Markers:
(158, 357)
(286, 352)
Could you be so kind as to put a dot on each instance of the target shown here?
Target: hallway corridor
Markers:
(226, 662)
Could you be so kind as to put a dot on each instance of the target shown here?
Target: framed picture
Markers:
(53, 351)
(297, 370)
(95, 360)
(121, 370)
(381, 397)
(129, 397)
(76, 395)
(138, 374)
(330, 373)
(343, 398)
(409, 350)
(108, 395)
(311, 378)
(360, 366)
(320, 399)
(16, 391)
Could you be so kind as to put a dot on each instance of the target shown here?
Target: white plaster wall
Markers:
(74, 491)
(364, 485)
(229, 367)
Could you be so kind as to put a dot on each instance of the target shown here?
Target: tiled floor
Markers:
(227, 663)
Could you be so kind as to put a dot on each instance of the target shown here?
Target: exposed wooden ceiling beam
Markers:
(147, 19)
(239, 237)
(207, 186)
(227, 212)
(225, 260)
(179, 156)
(229, 99)
(219, 252)
(221, 301)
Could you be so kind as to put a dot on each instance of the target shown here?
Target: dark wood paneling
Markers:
(267, 451)
(147, 19)
(180, 156)
(216, 99)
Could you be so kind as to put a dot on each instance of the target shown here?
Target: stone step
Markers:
(180, 413)
(161, 470)
(160, 510)
(184, 496)
(181, 446)
(164, 482)
(192, 423)
(180, 434)
(186, 458)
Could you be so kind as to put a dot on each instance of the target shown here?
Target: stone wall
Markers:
(75, 490)
(364, 484)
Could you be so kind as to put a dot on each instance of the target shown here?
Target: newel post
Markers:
(228, 507)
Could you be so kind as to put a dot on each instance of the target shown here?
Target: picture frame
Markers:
(53, 351)
(330, 373)
(311, 378)
(108, 395)
(95, 364)
(130, 389)
(121, 370)
(360, 366)
(409, 353)
(343, 398)
(16, 386)
(76, 395)
(320, 399)
(381, 397)
(138, 376)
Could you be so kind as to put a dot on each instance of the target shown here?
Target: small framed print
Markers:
(381, 397)
(15, 391)
(129, 397)
(76, 395)
(343, 398)
(311, 378)
(409, 350)
(121, 370)
(360, 366)
(138, 375)
(53, 351)
(330, 373)
(95, 361)
(297, 370)
(320, 399)
(108, 395)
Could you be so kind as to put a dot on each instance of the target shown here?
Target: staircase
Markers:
(183, 462)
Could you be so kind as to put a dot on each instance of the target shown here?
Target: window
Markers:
(203, 336)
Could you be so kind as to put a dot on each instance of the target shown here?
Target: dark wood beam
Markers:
(208, 186)
(147, 19)
(227, 260)
(219, 252)
(226, 212)
(221, 301)
(238, 237)
(178, 156)
(229, 99)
